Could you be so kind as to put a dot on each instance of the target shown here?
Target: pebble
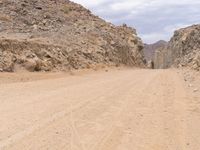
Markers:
(190, 85)
(195, 90)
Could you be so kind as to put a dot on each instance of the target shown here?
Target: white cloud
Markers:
(172, 28)
(90, 3)
(153, 19)
(127, 5)
(152, 37)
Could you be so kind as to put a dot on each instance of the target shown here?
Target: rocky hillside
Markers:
(183, 50)
(149, 49)
(48, 35)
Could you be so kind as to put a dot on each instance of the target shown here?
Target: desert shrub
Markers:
(5, 18)
(66, 9)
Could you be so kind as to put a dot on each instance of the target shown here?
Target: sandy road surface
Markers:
(115, 110)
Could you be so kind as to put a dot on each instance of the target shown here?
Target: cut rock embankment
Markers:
(183, 50)
(45, 36)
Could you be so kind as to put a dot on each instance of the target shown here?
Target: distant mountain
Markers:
(149, 49)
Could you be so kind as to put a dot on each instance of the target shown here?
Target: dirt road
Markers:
(114, 110)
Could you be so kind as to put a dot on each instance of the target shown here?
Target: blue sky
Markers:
(153, 19)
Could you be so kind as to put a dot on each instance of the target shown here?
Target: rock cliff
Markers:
(183, 50)
(149, 49)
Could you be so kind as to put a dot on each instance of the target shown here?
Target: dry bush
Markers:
(4, 17)
(66, 9)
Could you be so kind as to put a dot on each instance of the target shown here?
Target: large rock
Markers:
(149, 49)
(183, 50)
(41, 35)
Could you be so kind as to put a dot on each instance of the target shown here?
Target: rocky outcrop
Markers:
(183, 50)
(42, 35)
(161, 59)
(149, 49)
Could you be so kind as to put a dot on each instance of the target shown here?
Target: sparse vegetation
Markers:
(5, 18)
(66, 9)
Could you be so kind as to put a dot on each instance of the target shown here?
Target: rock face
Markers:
(45, 35)
(161, 59)
(149, 49)
(183, 50)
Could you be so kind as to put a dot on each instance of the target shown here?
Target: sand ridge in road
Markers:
(25, 76)
(114, 110)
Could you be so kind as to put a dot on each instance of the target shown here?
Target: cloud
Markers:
(90, 3)
(153, 19)
(152, 37)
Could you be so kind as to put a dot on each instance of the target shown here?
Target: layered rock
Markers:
(183, 50)
(42, 35)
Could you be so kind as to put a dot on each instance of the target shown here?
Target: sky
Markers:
(154, 19)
